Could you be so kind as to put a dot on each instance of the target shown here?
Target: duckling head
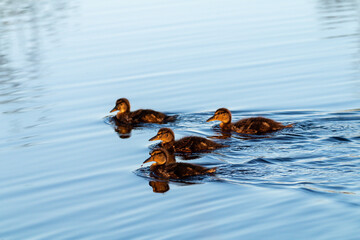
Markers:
(164, 134)
(122, 105)
(222, 114)
(159, 156)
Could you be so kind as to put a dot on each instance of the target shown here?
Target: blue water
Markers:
(66, 174)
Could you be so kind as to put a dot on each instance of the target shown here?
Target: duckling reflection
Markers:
(159, 186)
(124, 131)
(125, 116)
(254, 125)
(164, 169)
(162, 186)
(190, 144)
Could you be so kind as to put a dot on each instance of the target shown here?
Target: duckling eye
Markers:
(155, 153)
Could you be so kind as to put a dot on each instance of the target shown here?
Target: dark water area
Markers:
(67, 173)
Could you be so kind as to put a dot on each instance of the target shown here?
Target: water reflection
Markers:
(123, 131)
(26, 34)
(162, 186)
(159, 186)
(26, 28)
(340, 22)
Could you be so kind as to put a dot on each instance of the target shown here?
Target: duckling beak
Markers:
(154, 138)
(148, 160)
(211, 119)
(114, 109)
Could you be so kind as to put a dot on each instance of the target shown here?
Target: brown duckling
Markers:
(124, 116)
(186, 144)
(162, 169)
(254, 125)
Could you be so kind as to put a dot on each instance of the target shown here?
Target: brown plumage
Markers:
(189, 144)
(255, 125)
(125, 116)
(162, 169)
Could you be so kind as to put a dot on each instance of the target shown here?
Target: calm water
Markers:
(66, 174)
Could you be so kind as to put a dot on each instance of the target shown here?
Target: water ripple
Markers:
(309, 165)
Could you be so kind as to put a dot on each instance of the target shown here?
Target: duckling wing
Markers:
(122, 119)
(195, 144)
(257, 125)
(183, 170)
(180, 170)
(147, 116)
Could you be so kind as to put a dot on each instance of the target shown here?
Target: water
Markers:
(66, 174)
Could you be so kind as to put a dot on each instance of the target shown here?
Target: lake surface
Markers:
(66, 174)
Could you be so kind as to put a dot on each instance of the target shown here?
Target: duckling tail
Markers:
(170, 118)
(289, 126)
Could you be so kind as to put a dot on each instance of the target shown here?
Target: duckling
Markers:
(254, 125)
(186, 144)
(124, 116)
(165, 170)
